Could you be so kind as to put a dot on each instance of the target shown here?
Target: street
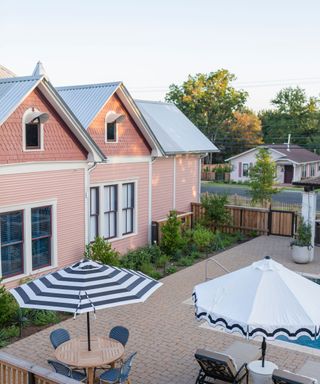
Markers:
(290, 197)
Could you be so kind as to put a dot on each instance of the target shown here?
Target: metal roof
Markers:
(86, 101)
(12, 92)
(295, 153)
(174, 131)
(5, 72)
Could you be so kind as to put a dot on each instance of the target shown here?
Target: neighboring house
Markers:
(82, 161)
(5, 72)
(294, 163)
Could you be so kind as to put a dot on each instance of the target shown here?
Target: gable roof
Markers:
(14, 90)
(86, 101)
(295, 154)
(174, 131)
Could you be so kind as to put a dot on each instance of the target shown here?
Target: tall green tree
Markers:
(295, 113)
(262, 177)
(209, 101)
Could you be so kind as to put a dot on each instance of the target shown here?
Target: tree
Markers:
(243, 132)
(209, 101)
(262, 177)
(294, 113)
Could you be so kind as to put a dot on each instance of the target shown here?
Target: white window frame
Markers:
(304, 171)
(24, 148)
(312, 170)
(119, 183)
(106, 130)
(27, 237)
(248, 165)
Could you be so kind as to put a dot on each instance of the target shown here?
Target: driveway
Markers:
(163, 329)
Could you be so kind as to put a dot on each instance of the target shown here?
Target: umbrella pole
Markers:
(88, 332)
(263, 349)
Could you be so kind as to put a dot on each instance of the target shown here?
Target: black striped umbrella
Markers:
(85, 287)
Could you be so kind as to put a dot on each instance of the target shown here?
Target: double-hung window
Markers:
(110, 211)
(245, 169)
(11, 250)
(304, 171)
(94, 213)
(127, 208)
(312, 169)
(41, 237)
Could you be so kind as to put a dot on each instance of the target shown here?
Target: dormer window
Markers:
(112, 120)
(32, 126)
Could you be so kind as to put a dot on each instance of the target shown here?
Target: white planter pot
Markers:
(302, 255)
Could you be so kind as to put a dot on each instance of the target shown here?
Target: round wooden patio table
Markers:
(75, 352)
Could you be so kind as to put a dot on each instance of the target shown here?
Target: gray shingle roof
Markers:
(296, 153)
(86, 101)
(12, 92)
(174, 131)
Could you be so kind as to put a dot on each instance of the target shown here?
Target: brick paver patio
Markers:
(163, 329)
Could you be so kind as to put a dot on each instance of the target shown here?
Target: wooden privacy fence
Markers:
(184, 217)
(263, 221)
(17, 371)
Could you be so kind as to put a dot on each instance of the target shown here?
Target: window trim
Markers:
(304, 171)
(41, 143)
(312, 170)
(106, 129)
(27, 229)
(132, 209)
(96, 215)
(19, 242)
(116, 211)
(119, 223)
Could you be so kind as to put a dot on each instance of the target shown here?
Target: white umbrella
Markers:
(264, 299)
(85, 287)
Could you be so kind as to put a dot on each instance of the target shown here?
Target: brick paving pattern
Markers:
(163, 329)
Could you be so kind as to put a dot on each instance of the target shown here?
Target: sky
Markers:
(150, 44)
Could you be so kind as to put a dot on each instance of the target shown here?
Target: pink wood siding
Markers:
(162, 187)
(59, 141)
(67, 187)
(187, 182)
(130, 140)
(106, 173)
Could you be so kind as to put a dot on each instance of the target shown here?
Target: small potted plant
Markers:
(302, 249)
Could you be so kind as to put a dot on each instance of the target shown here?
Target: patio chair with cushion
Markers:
(118, 375)
(280, 376)
(65, 370)
(58, 337)
(120, 334)
(229, 366)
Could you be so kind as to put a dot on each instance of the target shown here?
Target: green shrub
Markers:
(100, 250)
(8, 333)
(202, 238)
(44, 317)
(215, 211)
(136, 258)
(171, 269)
(8, 307)
(195, 255)
(303, 235)
(186, 261)
(171, 240)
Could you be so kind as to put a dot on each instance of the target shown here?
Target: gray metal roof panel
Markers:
(174, 131)
(86, 101)
(12, 92)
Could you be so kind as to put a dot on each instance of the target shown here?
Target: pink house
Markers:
(82, 161)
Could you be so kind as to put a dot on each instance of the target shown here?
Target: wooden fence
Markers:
(184, 217)
(17, 371)
(246, 220)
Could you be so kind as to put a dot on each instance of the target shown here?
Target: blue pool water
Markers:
(303, 340)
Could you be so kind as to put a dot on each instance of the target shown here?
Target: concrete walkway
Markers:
(163, 329)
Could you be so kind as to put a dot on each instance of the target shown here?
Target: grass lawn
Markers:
(246, 186)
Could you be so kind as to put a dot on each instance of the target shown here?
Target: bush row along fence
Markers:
(262, 221)
(184, 217)
(17, 371)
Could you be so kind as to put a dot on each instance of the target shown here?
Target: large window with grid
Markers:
(110, 211)
(94, 213)
(11, 241)
(41, 237)
(127, 208)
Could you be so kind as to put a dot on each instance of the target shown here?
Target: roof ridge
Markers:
(19, 78)
(153, 102)
(84, 86)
